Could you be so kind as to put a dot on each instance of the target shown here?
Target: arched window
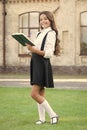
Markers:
(29, 25)
(83, 26)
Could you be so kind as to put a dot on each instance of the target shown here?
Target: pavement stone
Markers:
(58, 83)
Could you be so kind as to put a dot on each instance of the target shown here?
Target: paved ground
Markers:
(59, 83)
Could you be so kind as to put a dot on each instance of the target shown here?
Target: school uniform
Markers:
(40, 67)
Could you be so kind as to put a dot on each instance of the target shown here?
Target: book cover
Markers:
(22, 39)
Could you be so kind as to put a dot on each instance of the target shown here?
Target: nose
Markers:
(42, 21)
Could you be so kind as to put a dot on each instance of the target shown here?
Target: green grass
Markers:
(18, 111)
(14, 76)
(26, 76)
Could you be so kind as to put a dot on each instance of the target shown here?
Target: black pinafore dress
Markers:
(41, 70)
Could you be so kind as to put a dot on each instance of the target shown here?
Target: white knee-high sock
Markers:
(48, 109)
(41, 112)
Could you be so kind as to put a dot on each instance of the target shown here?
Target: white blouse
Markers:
(49, 43)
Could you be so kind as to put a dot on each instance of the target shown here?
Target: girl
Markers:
(46, 44)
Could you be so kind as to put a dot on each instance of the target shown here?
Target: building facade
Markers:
(22, 16)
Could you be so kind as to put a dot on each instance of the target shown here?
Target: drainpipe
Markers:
(4, 47)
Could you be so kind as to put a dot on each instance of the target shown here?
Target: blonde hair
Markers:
(50, 16)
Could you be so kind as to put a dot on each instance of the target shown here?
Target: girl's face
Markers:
(44, 21)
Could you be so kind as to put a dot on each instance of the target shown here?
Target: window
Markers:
(83, 44)
(29, 25)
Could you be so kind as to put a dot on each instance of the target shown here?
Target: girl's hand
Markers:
(35, 50)
(29, 47)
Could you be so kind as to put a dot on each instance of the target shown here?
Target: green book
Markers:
(22, 39)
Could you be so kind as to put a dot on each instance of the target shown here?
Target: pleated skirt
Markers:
(41, 71)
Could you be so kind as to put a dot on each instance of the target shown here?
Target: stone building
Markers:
(22, 16)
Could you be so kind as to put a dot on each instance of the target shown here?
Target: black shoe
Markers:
(54, 120)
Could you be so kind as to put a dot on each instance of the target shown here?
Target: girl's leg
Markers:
(41, 109)
(36, 95)
(53, 116)
(41, 112)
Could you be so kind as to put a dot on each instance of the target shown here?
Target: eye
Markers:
(45, 18)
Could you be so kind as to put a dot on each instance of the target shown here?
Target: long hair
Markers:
(49, 15)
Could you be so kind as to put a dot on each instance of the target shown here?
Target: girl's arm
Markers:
(35, 50)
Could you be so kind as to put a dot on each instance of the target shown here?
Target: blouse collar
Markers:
(46, 29)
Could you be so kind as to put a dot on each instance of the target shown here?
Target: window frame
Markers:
(20, 54)
(82, 26)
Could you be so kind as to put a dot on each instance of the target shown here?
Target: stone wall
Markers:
(67, 17)
(1, 33)
(57, 70)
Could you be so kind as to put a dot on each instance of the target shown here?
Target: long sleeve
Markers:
(50, 44)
